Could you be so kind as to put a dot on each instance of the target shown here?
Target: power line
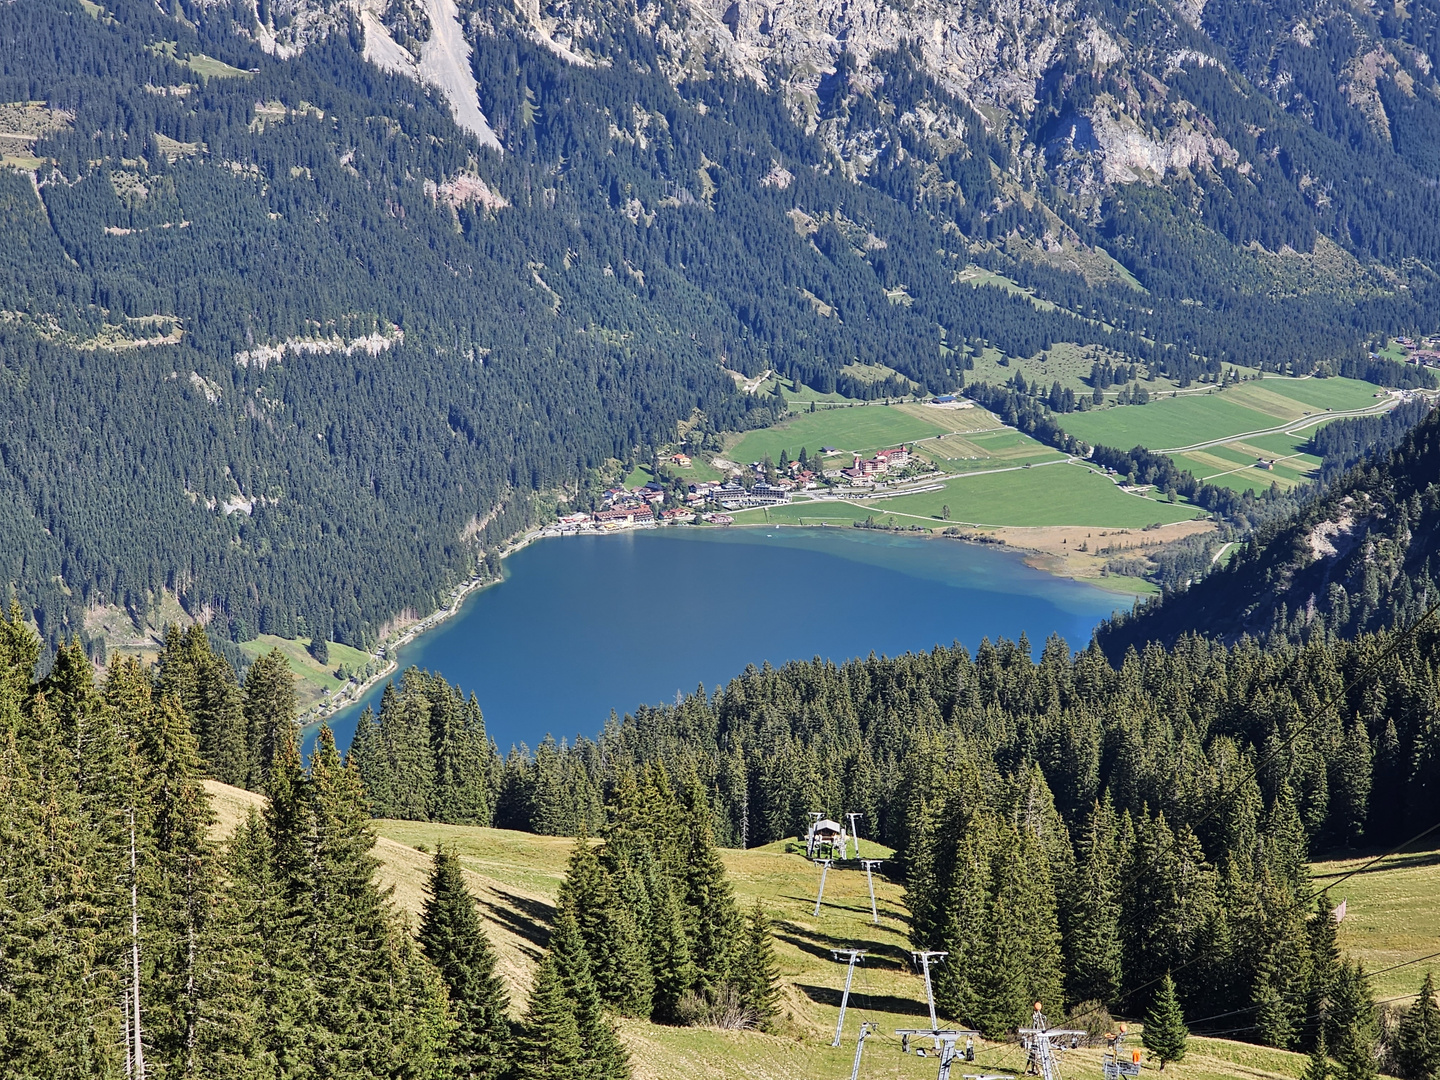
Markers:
(1393, 851)
(1296, 997)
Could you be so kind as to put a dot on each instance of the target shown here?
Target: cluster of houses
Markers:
(1425, 351)
(883, 462)
(624, 506)
(629, 507)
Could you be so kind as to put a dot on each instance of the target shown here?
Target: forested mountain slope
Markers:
(301, 318)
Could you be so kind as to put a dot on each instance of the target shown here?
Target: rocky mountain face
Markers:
(1272, 127)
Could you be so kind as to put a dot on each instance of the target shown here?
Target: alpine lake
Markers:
(582, 625)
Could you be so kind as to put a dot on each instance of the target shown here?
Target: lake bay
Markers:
(585, 624)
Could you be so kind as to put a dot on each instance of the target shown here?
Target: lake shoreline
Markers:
(594, 603)
(388, 650)
(1037, 557)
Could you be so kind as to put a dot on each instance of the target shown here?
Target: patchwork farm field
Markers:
(858, 429)
(1045, 495)
(1185, 420)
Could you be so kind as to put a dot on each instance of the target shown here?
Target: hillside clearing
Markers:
(858, 429)
(1187, 420)
(516, 876)
(312, 679)
(1392, 917)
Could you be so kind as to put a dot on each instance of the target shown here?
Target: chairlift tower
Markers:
(824, 865)
(870, 865)
(924, 959)
(855, 830)
(866, 1030)
(945, 1043)
(1042, 1041)
(852, 957)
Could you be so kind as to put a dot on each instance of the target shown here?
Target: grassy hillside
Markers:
(861, 429)
(515, 876)
(312, 678)
(1392, 917)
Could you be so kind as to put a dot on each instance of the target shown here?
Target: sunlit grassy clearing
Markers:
(1043, 495)
(1392, 916)
(860, 429)
(311, 678)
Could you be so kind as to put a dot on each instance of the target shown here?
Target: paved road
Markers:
(1284, 429)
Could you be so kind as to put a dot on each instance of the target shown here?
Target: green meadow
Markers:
(1044, 495)
(312, 678)
(1187, 419)
(857, 429)
(515, 878)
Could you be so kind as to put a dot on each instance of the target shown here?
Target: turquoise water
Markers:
(582, 625)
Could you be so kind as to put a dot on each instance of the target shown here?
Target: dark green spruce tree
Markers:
(1165, 1034)
(549, 1046)
(1094, 954)
(1417, 1041)
(453, 937)
(713, 919)
(1351, 1027)
(603, 1056)
(270, 715)
(1317, 1067)
(756, 975)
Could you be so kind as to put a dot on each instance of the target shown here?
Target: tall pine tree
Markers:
(756, 974)
(270, 715)
(1165, 1034)
(454, 939)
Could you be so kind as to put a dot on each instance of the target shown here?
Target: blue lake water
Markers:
(582, 625)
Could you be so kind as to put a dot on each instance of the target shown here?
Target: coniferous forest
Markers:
(274, 953)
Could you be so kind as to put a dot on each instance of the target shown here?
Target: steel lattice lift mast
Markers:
(824, 865)
(945, 1041)
(924, 960)
(855, 831)
(1043, 1041)
(853, 957)
(866, 1030)
(871, 865)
